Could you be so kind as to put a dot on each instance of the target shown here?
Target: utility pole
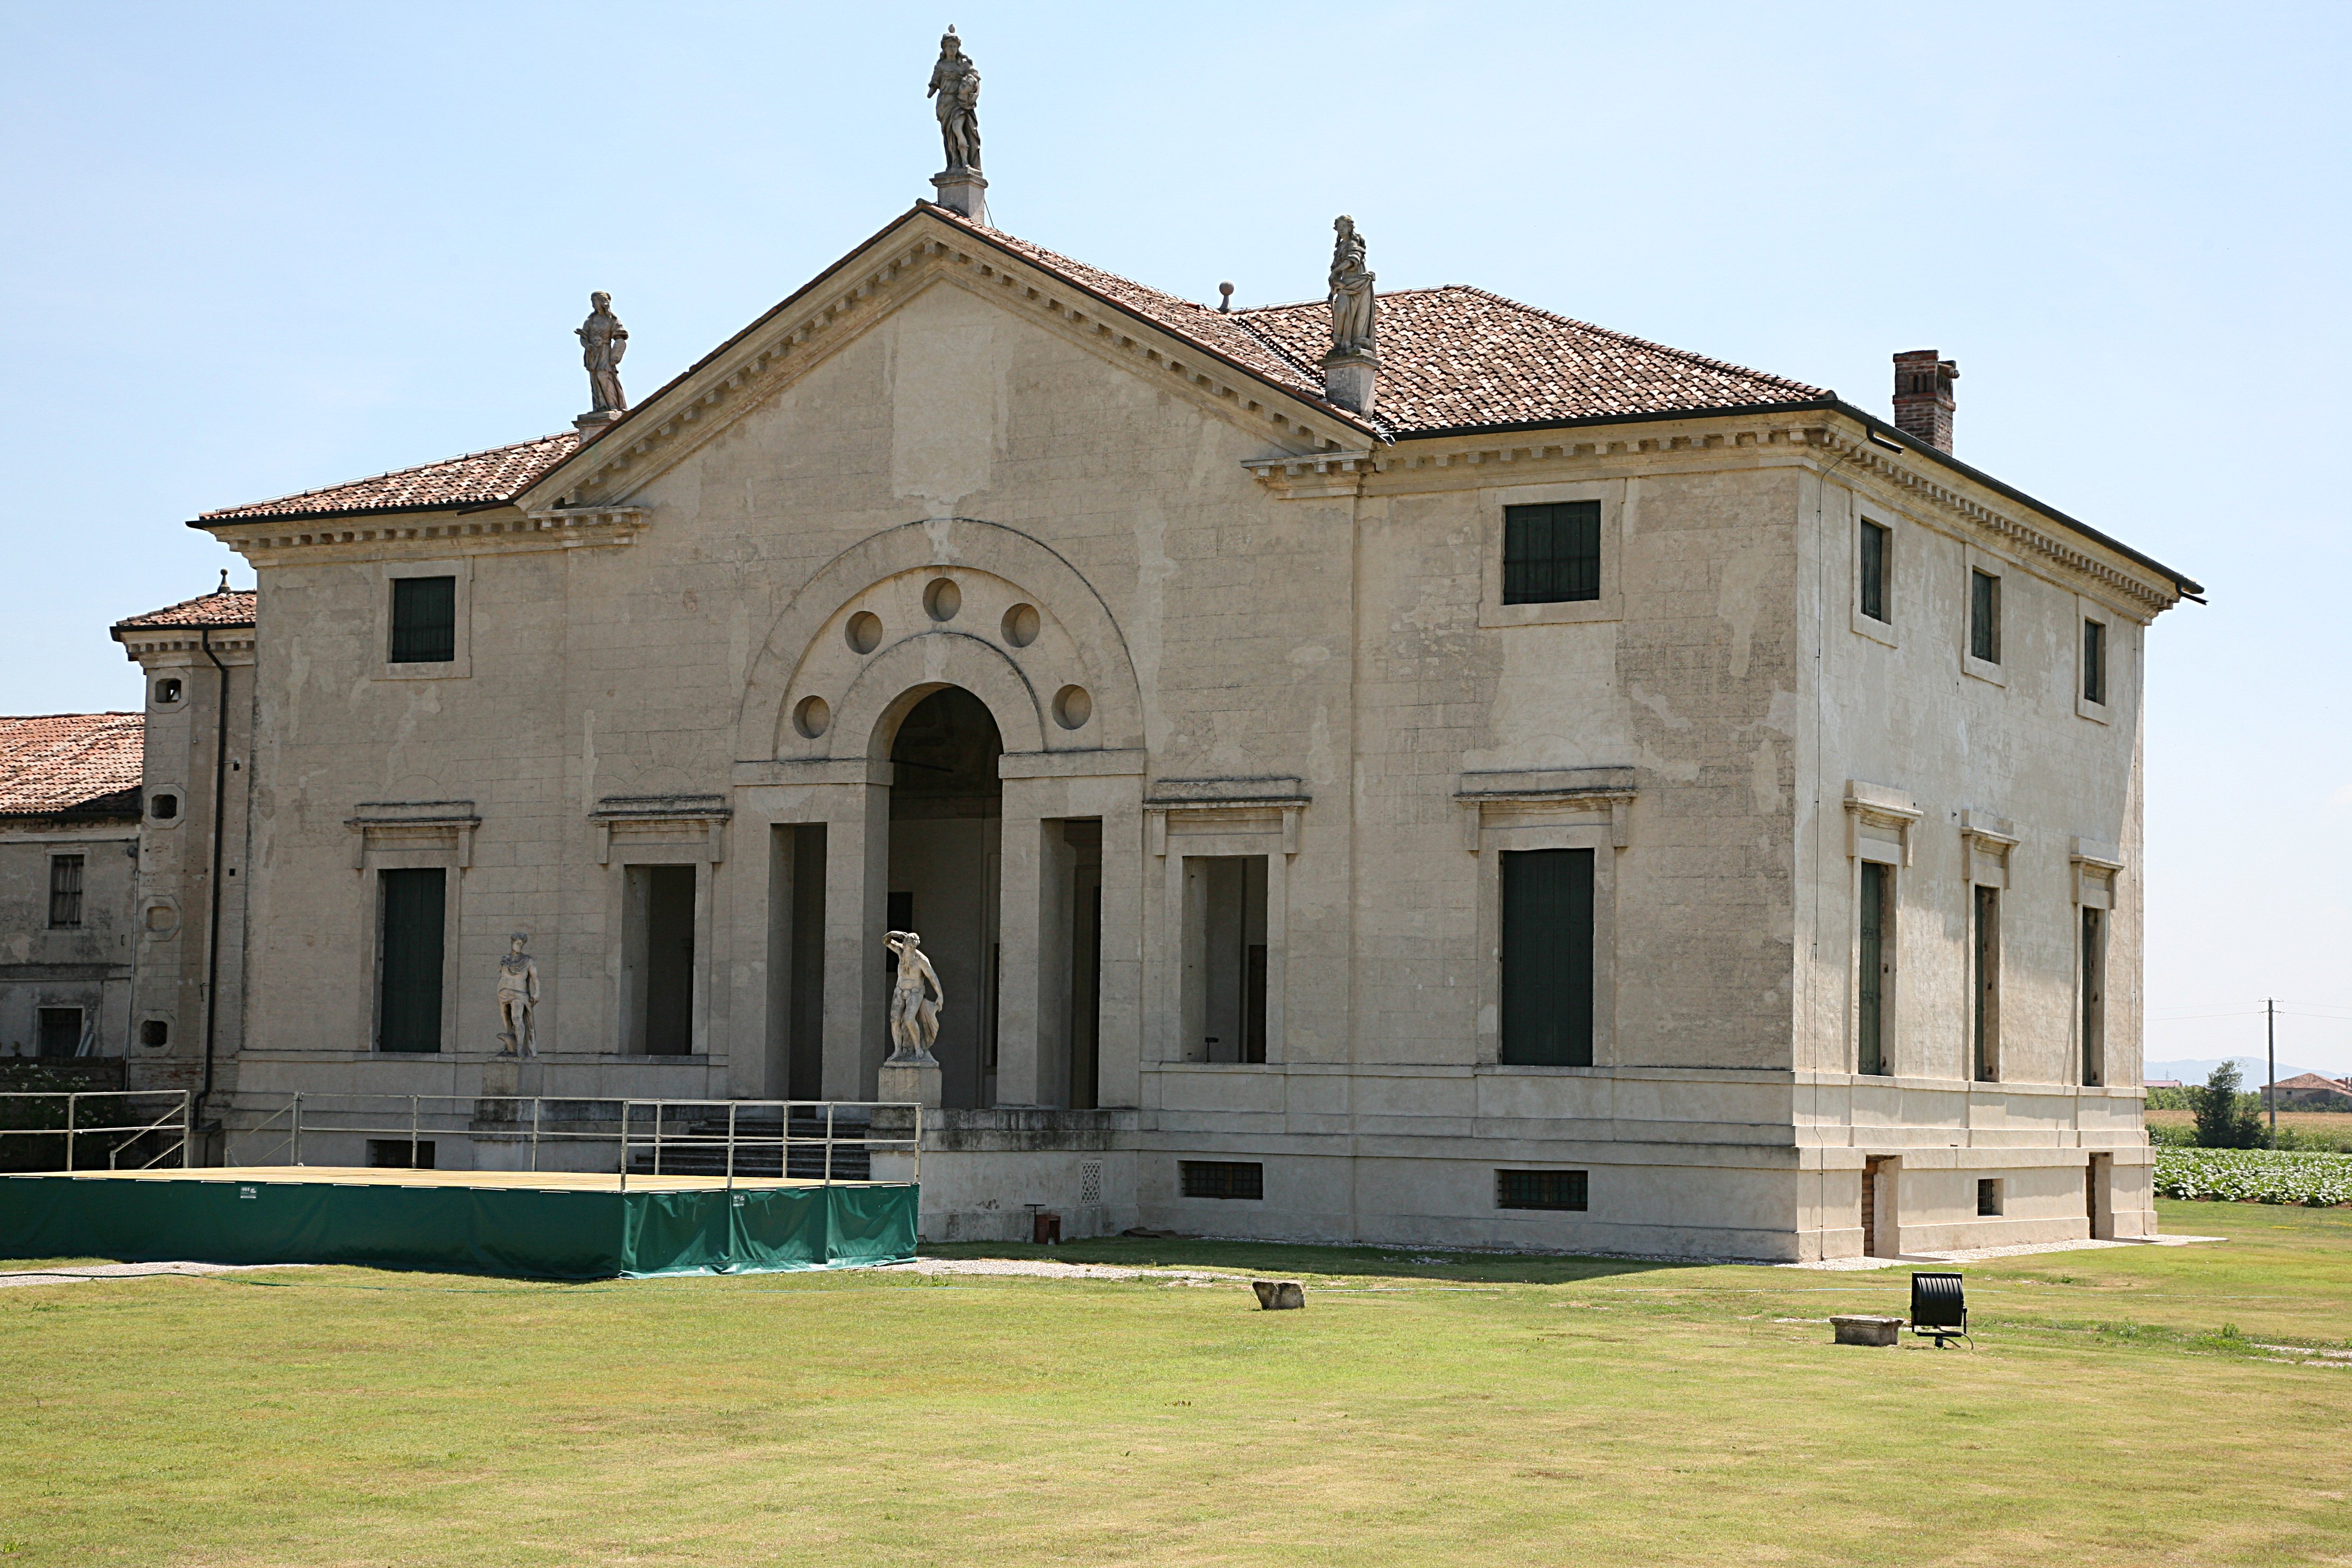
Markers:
(2270, 1033)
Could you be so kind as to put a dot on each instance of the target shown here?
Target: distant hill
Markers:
(2256, 1071)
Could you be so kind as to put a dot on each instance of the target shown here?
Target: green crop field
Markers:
(2121, 1407)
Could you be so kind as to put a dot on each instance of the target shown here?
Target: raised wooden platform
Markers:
(536, 1224)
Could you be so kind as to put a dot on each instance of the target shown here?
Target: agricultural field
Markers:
(2133, 1405)
(2254, 1176)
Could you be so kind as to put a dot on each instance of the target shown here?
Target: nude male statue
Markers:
(914, 1016)
(518, 997)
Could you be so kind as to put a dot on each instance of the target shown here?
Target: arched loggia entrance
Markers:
(946, 856)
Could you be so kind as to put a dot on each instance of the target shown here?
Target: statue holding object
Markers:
(955, 85)
(915, 999)
(517, 999)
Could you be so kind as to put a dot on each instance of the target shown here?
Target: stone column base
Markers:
(1350, 379)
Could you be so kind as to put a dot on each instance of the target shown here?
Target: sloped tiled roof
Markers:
(2313, 1081)
(223, 607)
(1455, 357)
(477, 479)
(54, 764)
(1450, 357)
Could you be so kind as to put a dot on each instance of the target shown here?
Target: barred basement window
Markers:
(394, 1154)
(424, 620)
(65, 890)
(1987, 1197)
(1541, 1190)
(1551, 554)
(1222, 1178)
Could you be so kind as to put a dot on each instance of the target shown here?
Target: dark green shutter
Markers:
(1874, 570)
(1871, 1017)
(1548, 958)
(424, 620)
(669, 961)
(1984, 617)
(408, 1015)
(2094, 662)
(1551, 554)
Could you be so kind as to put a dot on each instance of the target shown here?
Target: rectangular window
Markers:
(1548, 958)
(60, 1031)
(1222, 1178)
(657, 958)
(1876, 968)
(1225, 957)
(2094, 997)
(1551, 554)
(1540, 1190)
(412, 908)
(1987, 1197)
(65, 890)
(1875, 541)
(2095, 662)
(424, 620)
(1986, 1022)
(1984, 617)
(400, 1154)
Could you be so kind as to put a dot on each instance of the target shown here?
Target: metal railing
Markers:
(651, 1131)
(124, 1129)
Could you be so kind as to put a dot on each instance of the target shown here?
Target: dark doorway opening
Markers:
(946, 810)
(796, 961)
(658, 951)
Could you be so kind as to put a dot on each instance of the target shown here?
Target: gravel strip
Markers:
(88, 1271)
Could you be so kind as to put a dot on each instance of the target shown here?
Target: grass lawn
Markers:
(1424, 1409)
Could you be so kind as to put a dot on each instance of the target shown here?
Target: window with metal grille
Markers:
(400, 1154)
(1876, 967)
(408, 959)
(64, 890)
(1987, 1195)
(1541, 1190)
(424, 620)
(1551, 554)
(1548, 958)
(1875, 538)
(1984, 617)
(2095, 662)
(1222, 1178)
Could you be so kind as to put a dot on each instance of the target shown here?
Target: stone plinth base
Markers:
(1350, 379)
(1857, 1331)
(963, 190)
(909, 1081)
(592, 426)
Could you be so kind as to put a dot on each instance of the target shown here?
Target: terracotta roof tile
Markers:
(79, 763)
(1457, 356)
(477, 478)
(226, 607)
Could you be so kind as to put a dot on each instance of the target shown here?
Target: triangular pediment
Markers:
(1239, 377)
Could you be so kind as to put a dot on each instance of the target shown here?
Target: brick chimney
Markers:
(1923, 397)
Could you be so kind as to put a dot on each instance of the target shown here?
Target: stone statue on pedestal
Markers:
(603, 341)
(1351, 292)
(517, 999)
(913, 1014)
(955, 84)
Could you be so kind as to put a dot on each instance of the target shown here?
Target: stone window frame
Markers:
(412, 835)
(2089, 609)
(1550, 808)
(460, 664)
(1615, 497)
(1881, 825)
(1877, 631)
(2093, 881)
(1198, 829)
(1974, 560)
(661, 830)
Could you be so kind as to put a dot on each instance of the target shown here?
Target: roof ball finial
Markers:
(1224, 298)
(223, 582)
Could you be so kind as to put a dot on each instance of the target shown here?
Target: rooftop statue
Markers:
(955, 85)
(1351, 292)
(603, 341)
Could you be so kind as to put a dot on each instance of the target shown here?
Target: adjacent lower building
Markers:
(1521, 786)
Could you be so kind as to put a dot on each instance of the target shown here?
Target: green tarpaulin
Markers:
(535, 1233)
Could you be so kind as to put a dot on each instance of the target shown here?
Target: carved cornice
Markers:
(1211, 801)
(384, 825)
(493, 530)
(654, 813)
(1494, 797)
(1881, 806)
(225, 640)
(804, 332)
(1917, 483)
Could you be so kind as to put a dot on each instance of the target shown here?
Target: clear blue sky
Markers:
(250, 249)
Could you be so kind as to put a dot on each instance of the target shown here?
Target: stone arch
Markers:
(890, 574)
